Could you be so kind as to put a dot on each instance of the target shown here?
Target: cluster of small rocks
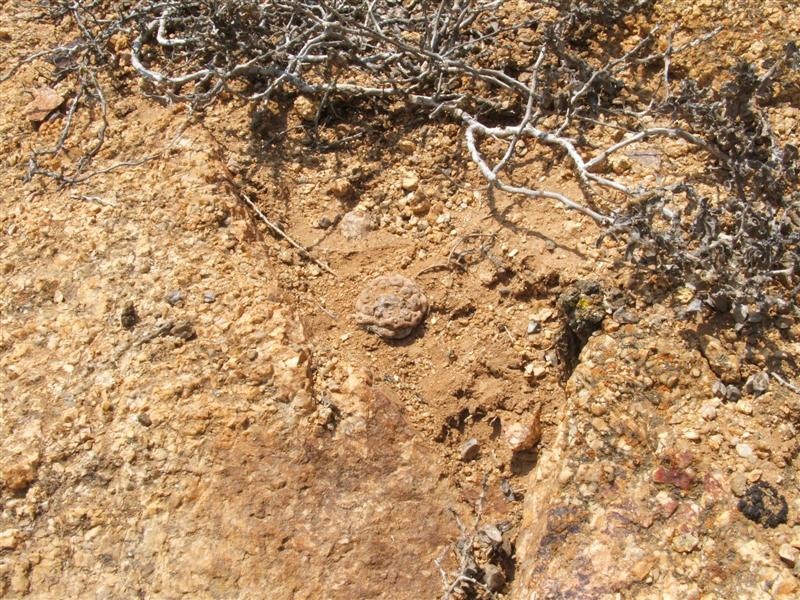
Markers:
(409, 207)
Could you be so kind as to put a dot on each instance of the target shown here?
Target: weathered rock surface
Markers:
(637, 496)
(218, 446)
(183, 452)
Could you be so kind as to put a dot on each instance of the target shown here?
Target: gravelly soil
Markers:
(237, 435)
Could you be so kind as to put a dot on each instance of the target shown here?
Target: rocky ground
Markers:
(193, 408)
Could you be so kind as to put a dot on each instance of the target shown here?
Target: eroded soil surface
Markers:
(190, 409)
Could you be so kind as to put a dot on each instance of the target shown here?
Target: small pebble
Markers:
(686, 542)
(9, 539)
(598, 409)
(144, 419)
(174, 298)
(356, 224)
(523, 436)
(493, 534)
(410, 182)
(738, 485)
(708, 412)
(183, 330)
(692, 436)
(343, 190)
(744, 450)
(470, 449)
(624, 316)
(209, 297)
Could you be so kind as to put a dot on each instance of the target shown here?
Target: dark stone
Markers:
(726, 392)
(733, 393)
(183, 330)
(758, 383)
(763, 504)
(507, 490)
(128, 317)
(494, 578)
(144, 419)
(624, 316)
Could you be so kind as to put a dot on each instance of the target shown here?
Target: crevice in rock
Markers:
(582, 310)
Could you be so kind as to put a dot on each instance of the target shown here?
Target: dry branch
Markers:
(444, 58)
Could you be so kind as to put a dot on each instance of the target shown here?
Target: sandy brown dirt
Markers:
(244, 438)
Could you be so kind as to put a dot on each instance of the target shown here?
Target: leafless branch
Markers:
(444, 59)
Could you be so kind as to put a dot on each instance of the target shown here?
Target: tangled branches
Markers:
(742, 250)
(543, 80)
(80, 61)
(480, 552)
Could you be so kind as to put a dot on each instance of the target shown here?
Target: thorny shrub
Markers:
(549, 78)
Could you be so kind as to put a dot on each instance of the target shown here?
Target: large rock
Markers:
(160, 460)
(636, 498)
